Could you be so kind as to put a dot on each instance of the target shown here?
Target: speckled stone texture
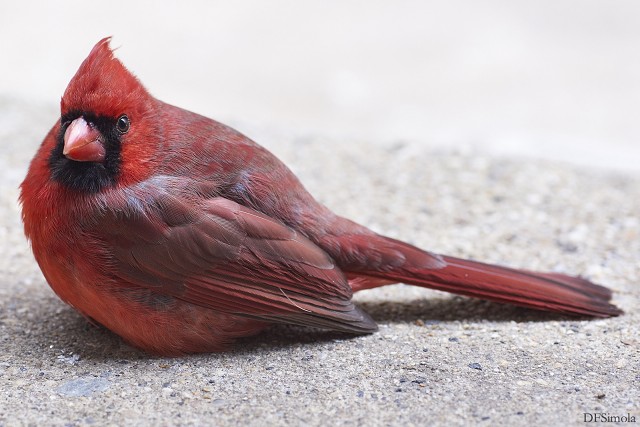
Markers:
(437, 359)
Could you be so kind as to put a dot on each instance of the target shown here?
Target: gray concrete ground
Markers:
(395, 115)
(437, 359)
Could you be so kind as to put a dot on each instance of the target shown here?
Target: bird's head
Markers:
(106, 125)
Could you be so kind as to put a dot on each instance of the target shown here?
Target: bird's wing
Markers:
(218, 254)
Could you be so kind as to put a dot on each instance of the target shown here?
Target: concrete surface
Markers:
(437, 359)
(421, 119)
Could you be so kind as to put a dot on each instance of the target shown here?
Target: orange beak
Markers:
(83, 142)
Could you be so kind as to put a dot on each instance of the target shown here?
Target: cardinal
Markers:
(181, 234)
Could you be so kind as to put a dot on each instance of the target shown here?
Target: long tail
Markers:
(543, 291)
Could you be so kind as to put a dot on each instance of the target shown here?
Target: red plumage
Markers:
(181, 234)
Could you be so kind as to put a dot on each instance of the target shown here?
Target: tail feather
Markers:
(543, 291)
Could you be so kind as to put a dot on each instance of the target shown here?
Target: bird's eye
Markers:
(123, 124)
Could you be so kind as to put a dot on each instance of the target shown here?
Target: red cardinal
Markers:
(180, 234)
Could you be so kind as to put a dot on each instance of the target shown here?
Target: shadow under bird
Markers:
(180, 234)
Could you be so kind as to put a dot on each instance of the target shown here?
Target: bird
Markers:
(181, 235)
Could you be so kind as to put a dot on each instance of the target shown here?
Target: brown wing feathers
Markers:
(232, 259)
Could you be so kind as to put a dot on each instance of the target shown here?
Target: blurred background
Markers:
(551, 79)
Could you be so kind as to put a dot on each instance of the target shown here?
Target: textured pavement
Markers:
(437, 359)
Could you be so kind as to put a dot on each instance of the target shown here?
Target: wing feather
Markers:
(224, 256)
